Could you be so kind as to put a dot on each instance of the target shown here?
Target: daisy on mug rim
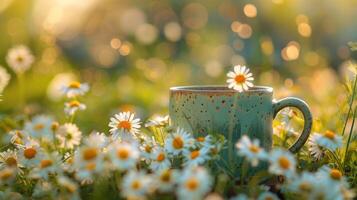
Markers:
(240, 78)
(178, 141)
(74, 89)
(124, 122)
(251, 150)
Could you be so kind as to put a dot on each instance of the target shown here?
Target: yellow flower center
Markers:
(74, 103)
(54, 126)
(75, 85)
(39, 127)
(330, 135)
(214, 151)
(240, 78)
(177, 143)
(30, 153)
(123, 154)
(268, 198)
(148, 149)
(161, 157)
(305, 186)
(200, 139)
(91, 166)
(166, 176)
(90, 153)
(192, 184)
(19, 59)
(254, 149)
(125, 125)
(46, 163)
(5, 174)
(195, 154)
(136, 185)
(335, 174)
(284, 163)
(11, 161)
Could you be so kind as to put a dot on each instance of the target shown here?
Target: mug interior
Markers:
(219, 88)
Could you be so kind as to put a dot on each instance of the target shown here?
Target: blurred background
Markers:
(131, 52)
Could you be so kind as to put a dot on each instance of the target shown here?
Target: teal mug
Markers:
(204, 110)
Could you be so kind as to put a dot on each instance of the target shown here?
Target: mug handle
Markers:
(304, 108)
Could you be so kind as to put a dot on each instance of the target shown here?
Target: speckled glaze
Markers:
(204, 110)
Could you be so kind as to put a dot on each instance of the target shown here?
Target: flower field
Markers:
(84, 110)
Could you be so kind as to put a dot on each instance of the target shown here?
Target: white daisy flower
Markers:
(251, 150)
(136, 185)
(196, 157)
(240, 78)
(75, 88)
(316, 150)
(329, 140)
(331, 175)
(7, 176)
(97, 139)
(282, 163)
(40, 128)
(73, 106)
(165, 180)
(68, 162)
(88, 161)
(179, 141)
(124, 125)
(18, 137)
(69, 136)
(204, 142)
(70, 188)
(303, 183)
(158, 121)
(325, 189)
(123, 155)
(30, 154)
(19, 58)
(44, 189)
(4, 79)
(147, 146)
(159, 160)
(267, 196)
(194, 183)
(49, 164)
(9, 158)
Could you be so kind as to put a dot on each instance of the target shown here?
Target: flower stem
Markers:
(349, 137)
(350, 105)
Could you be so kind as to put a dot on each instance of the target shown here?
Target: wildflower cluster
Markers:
(48, 159)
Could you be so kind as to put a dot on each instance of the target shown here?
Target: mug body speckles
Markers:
(204, 110)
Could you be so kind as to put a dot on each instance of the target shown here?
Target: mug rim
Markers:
(219, 89)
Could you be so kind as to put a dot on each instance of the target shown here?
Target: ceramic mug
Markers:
(204, 110)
